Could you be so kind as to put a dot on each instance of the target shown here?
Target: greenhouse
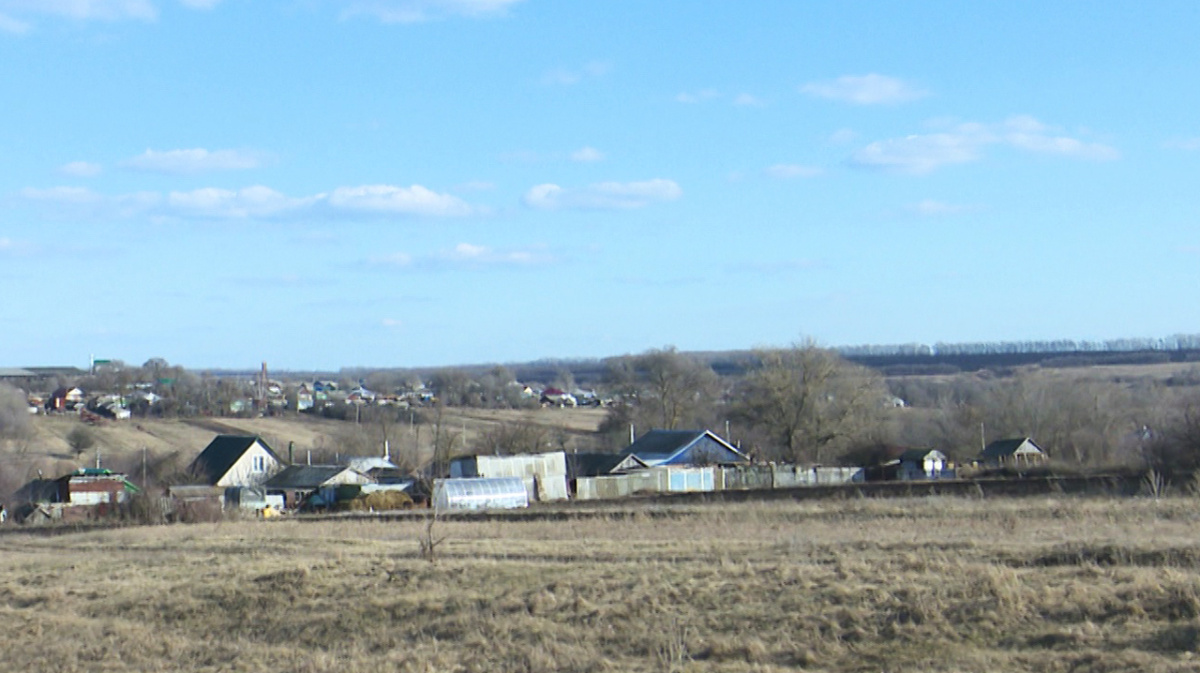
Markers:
(493, 493)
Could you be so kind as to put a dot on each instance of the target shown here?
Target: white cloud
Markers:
(1068, 147)
(393, 200)
(587, 155)
(250, 202)
(192, 161)
(872, 89)
(418, 11)
(394, 259)
(82, 10)
(80, 200)
(468, 255)
(918, 154)
(603, 195)
(81, 169)
(391, 322)
(569, 76)
(697, 96)
(1186, 144)
(965, 142)
(791, 171)
(11, 25)
(748, 100)
(843, 137)
(476, 186)
(200, 4)
(932, 208)
(478, 255)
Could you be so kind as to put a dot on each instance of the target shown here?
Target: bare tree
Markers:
(14, 413)
(81, 439)
(665, 388)
(807, 403)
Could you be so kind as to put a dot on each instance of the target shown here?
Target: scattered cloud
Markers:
(932, 208)
(476, 186)
(1186, 144)
(11, 25)
(200, 4)
(250, 202)
(193, 161)
(748, 100)
(843, 137)
(775, 267)
(570, 76)
(603, 195)
(81, 169)
(255, 202)
(469, 255)
(82, 10)
(792, 171)
(918, 154)
(419, 11)
(697, 96)
(392, 200)
(965, 142)
(480, 255)
(394, 259)
(587, 155)
(872, 89)
(391, 323)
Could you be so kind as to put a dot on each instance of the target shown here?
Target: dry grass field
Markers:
(121, 443)
(939, 584)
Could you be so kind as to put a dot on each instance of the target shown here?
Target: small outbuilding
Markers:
(918, 464)
(1020, 452)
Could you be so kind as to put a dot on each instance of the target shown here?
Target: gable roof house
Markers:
(296, 482)
(916, 464)
(236, 460)
(1017, 452)
(681, 447)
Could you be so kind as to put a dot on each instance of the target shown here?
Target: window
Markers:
(259, 464)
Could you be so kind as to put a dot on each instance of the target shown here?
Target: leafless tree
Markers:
(81, 438)
(663, 389)
(808, 404)
(14, 414)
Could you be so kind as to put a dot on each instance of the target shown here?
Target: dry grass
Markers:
(122, 443)
(862, 585)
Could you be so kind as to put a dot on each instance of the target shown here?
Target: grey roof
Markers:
(220, 455)
(592, 464)
(1003, 448)
(661, 445)
(918, 455)
(365, 464)
(305, 476)
(15, 373)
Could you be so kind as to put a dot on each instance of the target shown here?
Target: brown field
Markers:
(939, 584)
(121, 442)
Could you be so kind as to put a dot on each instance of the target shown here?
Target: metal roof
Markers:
(221, 453)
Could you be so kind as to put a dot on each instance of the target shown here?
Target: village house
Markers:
(1020, 452)
(297, 482)
(236, 460)
(918, 464)
(681, 447)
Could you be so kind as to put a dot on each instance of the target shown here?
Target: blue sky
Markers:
(327, 183)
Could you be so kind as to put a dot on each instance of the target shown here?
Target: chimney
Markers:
(387, 451)
(291, 453)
